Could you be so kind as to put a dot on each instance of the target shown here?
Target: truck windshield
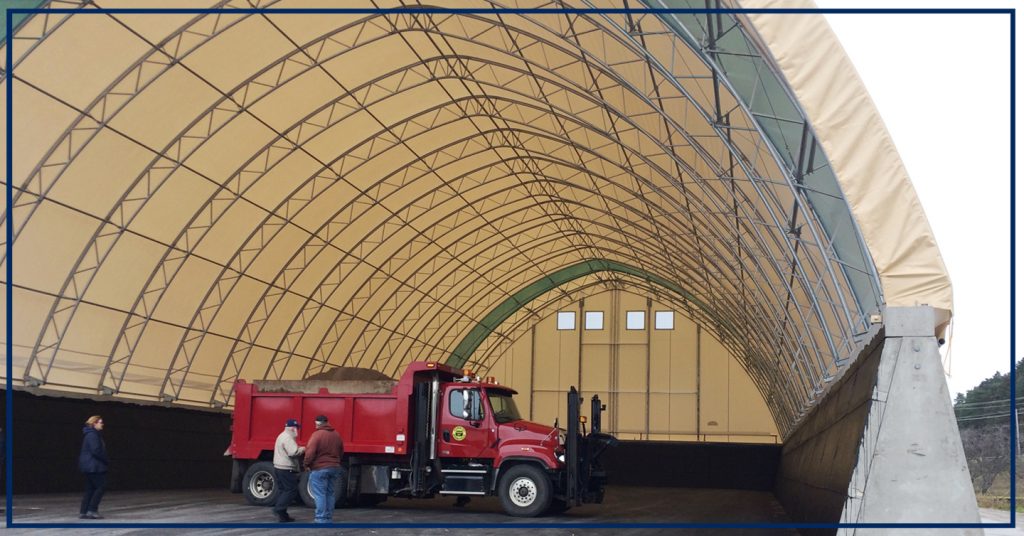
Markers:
(504, 407)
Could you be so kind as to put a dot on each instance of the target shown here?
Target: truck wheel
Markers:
(259, 485)
(525, 491)
(306, 492)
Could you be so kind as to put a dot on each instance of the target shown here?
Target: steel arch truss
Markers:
(276, 200)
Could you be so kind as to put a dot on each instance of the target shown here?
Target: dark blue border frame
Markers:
(9, 437)
(1014, 419)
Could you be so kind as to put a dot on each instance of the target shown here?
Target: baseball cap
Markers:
(321, 418)
(292, 422)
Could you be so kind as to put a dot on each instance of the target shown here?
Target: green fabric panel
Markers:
(530, 292)
(756, 85)
(6, 5)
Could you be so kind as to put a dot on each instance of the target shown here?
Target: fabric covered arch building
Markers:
(202, 198)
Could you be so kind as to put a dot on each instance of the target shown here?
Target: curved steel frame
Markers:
(730, 234)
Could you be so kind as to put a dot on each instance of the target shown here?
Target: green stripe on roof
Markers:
(534, 290)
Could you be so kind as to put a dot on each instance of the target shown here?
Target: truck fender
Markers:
(515, 460)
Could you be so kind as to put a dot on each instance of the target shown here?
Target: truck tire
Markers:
(525, 491)
(306, 493)
(259, 485)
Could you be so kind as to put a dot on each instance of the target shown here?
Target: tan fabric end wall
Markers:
(676, 384)
(863, 156)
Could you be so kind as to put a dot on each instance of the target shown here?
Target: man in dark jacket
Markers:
(323, 459)
(93, 462)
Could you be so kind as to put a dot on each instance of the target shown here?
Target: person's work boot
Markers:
(93, 515)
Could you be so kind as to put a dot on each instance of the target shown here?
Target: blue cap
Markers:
(293, 422)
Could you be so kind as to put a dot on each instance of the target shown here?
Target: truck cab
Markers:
(482, 421)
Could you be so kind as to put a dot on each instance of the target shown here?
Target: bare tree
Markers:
(987, 449)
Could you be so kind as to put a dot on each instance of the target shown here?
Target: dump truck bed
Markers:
(370, 417)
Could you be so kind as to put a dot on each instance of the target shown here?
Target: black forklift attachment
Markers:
(585, 478)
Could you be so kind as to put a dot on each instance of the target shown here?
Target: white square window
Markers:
(594, 320)
(663, 320)
(634, 320)
(566, 320)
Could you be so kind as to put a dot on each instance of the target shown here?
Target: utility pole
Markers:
(1016, 426)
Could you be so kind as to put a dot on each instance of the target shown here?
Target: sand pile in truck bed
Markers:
(335, 380)
(350, 374)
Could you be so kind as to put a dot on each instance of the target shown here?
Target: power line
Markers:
(986, 402)
(981, 417)
(1005, 401)
(967, 412)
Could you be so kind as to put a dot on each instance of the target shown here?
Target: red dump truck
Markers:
(436, 431)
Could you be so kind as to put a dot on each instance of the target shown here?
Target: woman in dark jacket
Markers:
(93, 462)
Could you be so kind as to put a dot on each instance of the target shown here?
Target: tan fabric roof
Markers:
(202, 198)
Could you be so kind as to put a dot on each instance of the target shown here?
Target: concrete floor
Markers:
(638, 505)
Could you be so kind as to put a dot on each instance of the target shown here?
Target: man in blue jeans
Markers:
(323, 459)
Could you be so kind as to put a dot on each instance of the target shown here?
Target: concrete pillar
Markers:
(910, 466)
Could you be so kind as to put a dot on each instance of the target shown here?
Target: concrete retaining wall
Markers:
(818, 460)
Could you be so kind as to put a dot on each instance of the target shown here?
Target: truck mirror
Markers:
(472, 410)
(476, 410)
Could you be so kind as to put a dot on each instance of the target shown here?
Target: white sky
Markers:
(941, 83)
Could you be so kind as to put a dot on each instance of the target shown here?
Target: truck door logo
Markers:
(458, 433)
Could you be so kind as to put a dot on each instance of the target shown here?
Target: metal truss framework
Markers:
(371, 186)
